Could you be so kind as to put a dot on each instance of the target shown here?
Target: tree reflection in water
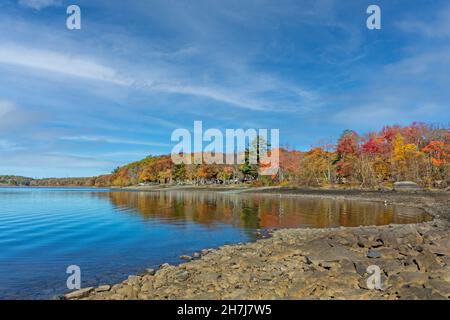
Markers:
(261, 211)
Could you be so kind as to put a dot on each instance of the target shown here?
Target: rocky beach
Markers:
(333, 263)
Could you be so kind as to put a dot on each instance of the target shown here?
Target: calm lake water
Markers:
(112, 234)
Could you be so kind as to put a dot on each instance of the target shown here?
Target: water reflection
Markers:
(262, 211)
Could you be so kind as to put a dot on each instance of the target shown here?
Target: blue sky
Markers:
(80, 103)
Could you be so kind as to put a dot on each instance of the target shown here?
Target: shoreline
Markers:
(327, 263)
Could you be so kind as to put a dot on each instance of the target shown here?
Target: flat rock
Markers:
(103, 288)
(373, 254)
(78, 294)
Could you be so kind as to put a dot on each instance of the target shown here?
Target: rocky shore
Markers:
(414, 261)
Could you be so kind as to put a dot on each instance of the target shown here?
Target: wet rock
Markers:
(186, 257)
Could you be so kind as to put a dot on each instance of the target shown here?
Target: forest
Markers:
(418, 152)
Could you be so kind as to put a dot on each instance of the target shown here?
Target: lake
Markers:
(112, 234)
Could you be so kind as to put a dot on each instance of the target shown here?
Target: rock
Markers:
(133, 280)
(330, 254)
(415, 293)
(406, 186)
(388, 253)
(389, 239)
(186, 257)
(361, 268)
(346, 266)
(426, 261)
(440, 247)
(147, 286)
(207, 277)
(196, 255)
(373, 254)
(150, 271)
(182, 275)
(79, 294)
(413, 278)
(128, 292)
(103, 288)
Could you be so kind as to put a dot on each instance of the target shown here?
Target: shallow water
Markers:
(111, 234)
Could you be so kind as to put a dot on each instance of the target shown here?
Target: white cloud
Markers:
(5, 108)
(39, 4)
(112, 140)
(58, 62)
(438, 27)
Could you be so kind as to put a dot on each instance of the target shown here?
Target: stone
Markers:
(416, 278)
(147, 286)
(331, 254)
(426, 261)
(79, 294)
(103, 288)
(373, 254)
(133, 280)
(128, 292)
(361, 268)
(207, 277)
(186, 257)
(440, 247)
(346, 266)
(440, 286)
(150, 271)
(182, 275)
(415, 293)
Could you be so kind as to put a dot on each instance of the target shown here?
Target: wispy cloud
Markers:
(39, 4)
(57, 62)
(438, 27)
(5, 108)
(112, 140)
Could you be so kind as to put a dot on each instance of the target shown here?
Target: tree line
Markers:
(417, 152)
